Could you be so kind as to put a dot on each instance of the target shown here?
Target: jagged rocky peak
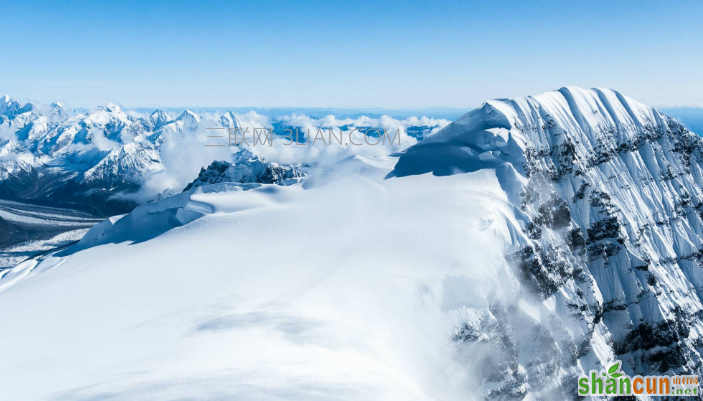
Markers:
(189, 119)
(15, 160)
(131, 162)
(187, 114)
(58, 112)
(610, 194)
(9, 107)
(246, 168)
(160, 118)
(229, 120)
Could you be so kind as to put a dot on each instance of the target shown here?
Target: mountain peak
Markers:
(9, 107)
(112, 108)
(502, 130)
(160, 118)
(189, 119)
(603, 179)
(188, 115)
(246, 168)
(229, 120)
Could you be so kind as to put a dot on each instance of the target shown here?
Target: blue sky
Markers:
(391, 54)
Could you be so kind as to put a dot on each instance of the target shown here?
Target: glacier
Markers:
(530, 241)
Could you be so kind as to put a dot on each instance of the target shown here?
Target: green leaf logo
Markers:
(614, 368)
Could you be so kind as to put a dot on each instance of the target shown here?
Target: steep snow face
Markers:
(124, 163)
(229, 120)
(9, 107)
(15, 160)
(188, 120)
(102, 129)
(160, 118)
(247, 168)
(610, 194)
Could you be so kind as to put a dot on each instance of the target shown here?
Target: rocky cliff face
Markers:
(246, 168)
(610, 193)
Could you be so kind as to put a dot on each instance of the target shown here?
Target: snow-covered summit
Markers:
(189, 119)
(111, 108)
(610, 192)
(124, 162)
(246, 168)
(504, 130)
(160, 118)
(9, 107)
(229, 120)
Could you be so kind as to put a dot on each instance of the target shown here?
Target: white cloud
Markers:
(8, 133)
(325, 153)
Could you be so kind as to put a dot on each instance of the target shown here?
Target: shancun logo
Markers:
(614, 382)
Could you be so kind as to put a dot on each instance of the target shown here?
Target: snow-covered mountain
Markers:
(246, 168)
(609, 194)
(556, 234)
(69, 157)
(105, 157)
(159, 118)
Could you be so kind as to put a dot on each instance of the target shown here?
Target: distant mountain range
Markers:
(99, 159)
(447, 113)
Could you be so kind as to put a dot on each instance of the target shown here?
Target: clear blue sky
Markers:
(392, 54)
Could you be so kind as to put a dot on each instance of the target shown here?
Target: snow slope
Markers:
(556, 234)
(270, 293)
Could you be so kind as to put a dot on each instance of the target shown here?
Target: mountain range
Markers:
(98, 160)
(527, 243)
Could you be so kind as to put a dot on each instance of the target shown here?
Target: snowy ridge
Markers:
(124, 161)
(611, 192)
(160, 118)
